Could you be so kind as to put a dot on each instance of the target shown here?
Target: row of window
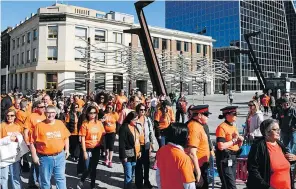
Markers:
(17, 42)
(16, 59)
(21, 78)
(80, 81)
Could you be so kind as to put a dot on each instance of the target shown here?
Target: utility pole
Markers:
(88, 67)
(181, 71)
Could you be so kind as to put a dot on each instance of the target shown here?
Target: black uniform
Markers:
(226, 159)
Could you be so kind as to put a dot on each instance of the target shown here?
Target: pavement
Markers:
(112, 178)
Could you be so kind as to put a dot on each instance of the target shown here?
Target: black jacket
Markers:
(6, 103)
(126, 142)
(259, 170)
(287, 119)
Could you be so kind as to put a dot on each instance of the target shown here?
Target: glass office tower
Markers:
(227, 21)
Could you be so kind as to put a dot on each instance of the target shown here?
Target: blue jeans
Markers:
(14, 176)
(91, 165)
(292, 144)
(52, 165)
(161, 141)
(285, 138)
(129, 173)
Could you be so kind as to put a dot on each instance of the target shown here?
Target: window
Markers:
(186, 46)
(99, 81)
(178, 45)
(23, 58)
(32, 80)
(28, 56)
(26, 83)
(23, 40)
(99, 57)
(34, 55)
(13, 44)
(29, 37)
(12, 60)
(51, 81)
(80, 33)
(17, 59)
(164, 44)
(198, 48)
(52, 53)
(100, 35)
(98, 15)
(35, 34)
(117, 37)
(18, 42)
(80, 53)
(155, 42)
(80, 81)
(52, 32)
(205, 48)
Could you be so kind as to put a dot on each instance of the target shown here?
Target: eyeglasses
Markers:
(10, 115)
(92, 113)
(41, 107)
(276, 130)
(50, 112)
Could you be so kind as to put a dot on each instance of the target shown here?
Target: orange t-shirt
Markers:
(280, 168)
(198, 138)
(49, 139)
(7, 130)
(164, 120)
(33, 119)
(119, 101)
(93, 132)
(80, 104)
(110, 122)
(175, 167)
(265, 100)
(67, 120)
(137, 137)
(225, 131)
(21, 117)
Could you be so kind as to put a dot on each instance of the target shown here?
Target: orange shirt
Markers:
(7, 130)
(93, 133)
(67, 120)
(141, 121)
(280, 168)
(110, 122)
(49, 138)
(226, 131)
(198, 138)
(33, 119)
(119, 101)
(265, 100)
(175, 167)
(164, 120)
(21, 117)
(137, 137)
(80, 104)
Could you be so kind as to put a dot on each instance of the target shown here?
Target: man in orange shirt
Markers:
(120, 99)
(175, 168)
(198, 145)
(80, 103)
(22, 114)
(47, 101)
(29, 126)
(49, 144)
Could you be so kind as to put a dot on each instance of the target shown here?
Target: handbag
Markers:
(130, 153)
(9, 151)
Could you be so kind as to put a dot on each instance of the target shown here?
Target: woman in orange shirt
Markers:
(268, 160)
(91, 132)
(110, 122)
(72, 125)
(10, 128)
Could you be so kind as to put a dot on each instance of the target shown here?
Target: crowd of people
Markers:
(83, 129)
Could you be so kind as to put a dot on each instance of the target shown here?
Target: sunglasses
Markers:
(142, 110)
(41, 107)
(233, 113)
(92, 113)
(250, 105)
(10, 115)
(76, 106)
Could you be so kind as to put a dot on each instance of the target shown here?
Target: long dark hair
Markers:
(138, 107)
(88, 110)
(72, 107)
(132, 115)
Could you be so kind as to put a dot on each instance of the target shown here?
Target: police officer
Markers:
(228, 147)
(198, 145)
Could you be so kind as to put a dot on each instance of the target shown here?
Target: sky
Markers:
(12, 12)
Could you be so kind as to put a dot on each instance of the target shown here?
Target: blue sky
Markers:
(12, 12)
